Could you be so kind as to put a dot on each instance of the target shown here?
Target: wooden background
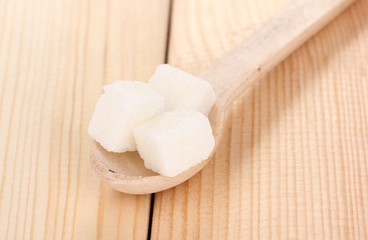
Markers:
(293, 160)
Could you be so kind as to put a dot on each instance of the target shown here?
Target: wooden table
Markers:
(293, 160)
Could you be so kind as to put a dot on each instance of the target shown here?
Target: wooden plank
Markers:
(54, 58)
(293, 160)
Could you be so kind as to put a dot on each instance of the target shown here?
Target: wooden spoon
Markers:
(230, 76)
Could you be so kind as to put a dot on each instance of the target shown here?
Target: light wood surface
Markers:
(55, 56)
(293, 160)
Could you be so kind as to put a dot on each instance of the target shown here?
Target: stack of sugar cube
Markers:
(165, 120)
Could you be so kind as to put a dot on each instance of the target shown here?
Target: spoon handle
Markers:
(268, 46)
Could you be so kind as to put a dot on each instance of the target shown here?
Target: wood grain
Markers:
(293, 160)
(54, 58)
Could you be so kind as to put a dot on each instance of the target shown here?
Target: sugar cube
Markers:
(174, 141)
(123, 106)
(182, 90)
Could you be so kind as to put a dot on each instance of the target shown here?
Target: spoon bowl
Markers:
(230, 76)
(125, 172)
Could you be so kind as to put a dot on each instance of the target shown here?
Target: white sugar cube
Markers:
(174, 141)
(123, 106)
(182, 90)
